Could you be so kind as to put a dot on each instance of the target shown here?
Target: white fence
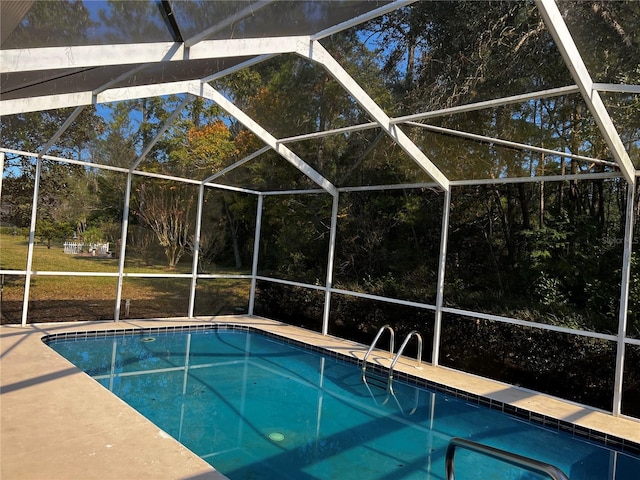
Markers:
(74, 248)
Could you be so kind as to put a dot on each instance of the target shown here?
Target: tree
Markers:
(167, 209)
(65, 190)
(208, 149)
(67, 23)
(48, 231)
(133, 21)
(291, 96)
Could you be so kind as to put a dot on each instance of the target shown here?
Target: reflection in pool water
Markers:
(258, 408)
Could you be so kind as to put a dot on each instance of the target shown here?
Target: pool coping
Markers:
(31, 401)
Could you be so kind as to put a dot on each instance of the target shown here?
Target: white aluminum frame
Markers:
(86, 56)
(140, 56)
(330, 264)
(624, 303)
(328, 288)
(316, 52)
(572, 58)
(210, 93)
(469, 107)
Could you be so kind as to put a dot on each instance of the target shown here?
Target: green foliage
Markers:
(93, 235)
(577, 368)
(49, 231)
(62, 22)
(548, 290)
(294, 305)
(549, 252)
(295, 237)
(634, 297)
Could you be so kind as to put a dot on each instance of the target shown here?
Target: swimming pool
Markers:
(256, 407)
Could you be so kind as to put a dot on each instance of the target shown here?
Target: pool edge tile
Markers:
(609, 440)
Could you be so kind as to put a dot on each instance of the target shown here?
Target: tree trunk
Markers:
(541, 209)
(234, 234)
(522, 196)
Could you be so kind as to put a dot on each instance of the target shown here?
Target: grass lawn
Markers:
(73, 298)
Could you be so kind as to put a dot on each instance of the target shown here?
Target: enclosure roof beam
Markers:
(85, 56)
(537, 179)
(461, 183)
(50, 102)
(237, 164)
(236, 68)
(101, 166)
(493, 103)
(231, 188)
(63, 128)
(326, 133)
(190, 181)
(316, 52)
(274, 193)
(470, 107)
(208, 92)
(361, 188)
(106, 94)
(46, 102)
(509, 144)
(572, 58)
(365, 17)
(616, 87)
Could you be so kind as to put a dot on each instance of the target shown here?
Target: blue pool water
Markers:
(258, 408)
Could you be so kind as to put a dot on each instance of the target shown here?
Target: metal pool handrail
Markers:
(413, 333)
(373, 344)
(514, 459)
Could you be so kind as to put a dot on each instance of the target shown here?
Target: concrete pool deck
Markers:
(58, 423)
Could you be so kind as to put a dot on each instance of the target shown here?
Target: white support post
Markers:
(32, 238)
(123, 246)
(1, 170)
(572, 58)
(444, 238)
(34, 207)
(317, 53)
(196, 252)
(624, 302)
(256, 253)
(330, 265)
